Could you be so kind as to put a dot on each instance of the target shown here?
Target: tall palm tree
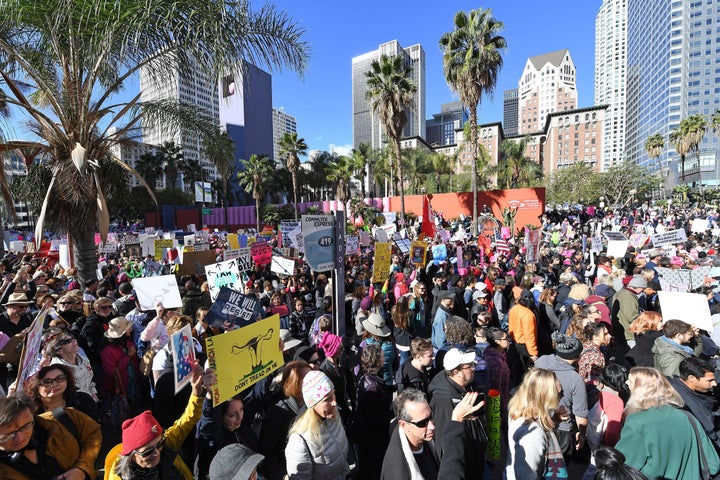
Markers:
(441, 165)
(390, 92)
(172, 160)
(340, 171)
(654, 146)
(192, 172)
(75, 56)
(292, 148)
(361, 159)
(472, 59)
(681, 146)
(693, 129)
(254, 174)
(220, 149)
(149, 167)
(515, 169)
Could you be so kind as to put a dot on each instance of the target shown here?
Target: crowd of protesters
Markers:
(586, 372)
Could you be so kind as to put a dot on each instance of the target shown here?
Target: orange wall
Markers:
(530, 203)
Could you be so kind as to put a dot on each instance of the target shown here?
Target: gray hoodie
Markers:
(574, 395)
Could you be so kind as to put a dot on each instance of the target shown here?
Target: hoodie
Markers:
(574, 394)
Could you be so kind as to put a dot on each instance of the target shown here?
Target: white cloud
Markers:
(340, 149)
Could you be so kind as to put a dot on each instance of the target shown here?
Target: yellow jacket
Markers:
(174, 438)
(62, 446)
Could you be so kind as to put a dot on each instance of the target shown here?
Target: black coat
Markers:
(641, 354)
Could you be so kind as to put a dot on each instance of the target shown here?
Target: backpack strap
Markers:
(61, 416)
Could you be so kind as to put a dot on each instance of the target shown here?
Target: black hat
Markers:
(566, 346)
(446, 294)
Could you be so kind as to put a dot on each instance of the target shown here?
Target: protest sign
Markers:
(493, 422)
(444, 234)
(699, 225)
(232, 308)
(532, 245)
(108, 247)
(189, 240)
(161, 246)
(282, 266)
(381, 263)
(670, 237)
(261, 253)
(596, 244)
(617, 248)
(319, 241)
(287, 226)
(637, 240)
(193, 263)
(183, 350)
(244, 259)
(364, 238)
(223, 274)
(232, 240)
(403, 244)
(33, 343)
(617, 236)
(691, 308)
(417, 255)
(683, 279)
(352, 245)
(295, 239)
(231, 254)
(390, 217)
(380, 235)
(244, 356)
(459, 260)
(153, 290)
(439, 253)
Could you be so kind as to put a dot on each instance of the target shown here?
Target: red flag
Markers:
(428, 225)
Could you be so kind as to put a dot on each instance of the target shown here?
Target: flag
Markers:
(428, 226)
(501, 245)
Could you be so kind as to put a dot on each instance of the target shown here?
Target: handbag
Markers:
(117, 409)
(555, 467)
(704, 468)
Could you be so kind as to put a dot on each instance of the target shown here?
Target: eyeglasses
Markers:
(65, 341)
(151, 450)
(504, 339)
(104, 307)
(66, 303)
(422, 423)
(47, 382)
(6, 437)
(468, 365)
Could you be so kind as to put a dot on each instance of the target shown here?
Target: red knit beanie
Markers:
(138, 431)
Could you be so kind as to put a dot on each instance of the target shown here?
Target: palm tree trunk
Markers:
(257, 214)
(295, 192)
(682, 166)
(83, 250)
(396, 141)
(474, 141)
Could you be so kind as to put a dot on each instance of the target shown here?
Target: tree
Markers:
(292, 148)
(573, 183)
(254, 174)
(220, 149)
(515, 169)
(63, 63)
(360, 160)
(192, 172)
(441, 165)
(654, 146)
(681, 146)
(172, 159)
(617, 183)
(149, 167)
(715, 122)
(340, 171)
(390, 92)
(693, 130)
(472, 59)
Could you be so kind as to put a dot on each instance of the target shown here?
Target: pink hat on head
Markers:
(138, 431)
(330, 343)
(677, 261)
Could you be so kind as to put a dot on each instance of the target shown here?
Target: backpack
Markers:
(314, 331)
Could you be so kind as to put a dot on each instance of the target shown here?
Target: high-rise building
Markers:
(441, 129)
(510, 112)
(673, 71)
(282, 124)
(610, 76)
(196, 88)
(547, 85)
(367, 127)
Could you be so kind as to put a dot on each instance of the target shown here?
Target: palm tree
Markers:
(220, 149)
(192, 172)
(679, 142)
(254, 174)
(340, 171)
(75, 56)
(715, 122)
(441, 165)
(390, 92)
(472, 61)
(654, 146)
(149, 167)
(361, 159)
(693, 128)
(515, 169)
(292, 147)
(171, 158)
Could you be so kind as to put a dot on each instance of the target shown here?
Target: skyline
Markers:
(322, 102)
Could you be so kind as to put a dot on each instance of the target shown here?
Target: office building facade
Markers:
(442, 129)
(610, 76)
(282, 123)
(510, 112)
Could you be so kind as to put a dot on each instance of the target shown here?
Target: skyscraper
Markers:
(510, 112)
(366, 125)
(282, 123)
(673, 72)
(441, 129)
(196, 89)
(547, 85)
(610, 76)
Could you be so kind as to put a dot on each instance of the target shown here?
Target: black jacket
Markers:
(701, 405)
(408, 376)
(641, 354)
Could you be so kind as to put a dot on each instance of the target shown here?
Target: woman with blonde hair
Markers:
(531, 436)
(658, 437)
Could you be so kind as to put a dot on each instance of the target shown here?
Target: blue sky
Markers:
(338, 30)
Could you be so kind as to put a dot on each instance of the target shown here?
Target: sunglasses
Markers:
(151, 450)
(104, 307)
(65, 341)
(48, 382)
(66, 303)
(422, 423)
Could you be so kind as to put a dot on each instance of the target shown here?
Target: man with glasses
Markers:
(37, 446)
(447, 389)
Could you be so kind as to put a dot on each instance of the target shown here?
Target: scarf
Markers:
(415, 473)
(684, 348)
(139, 473)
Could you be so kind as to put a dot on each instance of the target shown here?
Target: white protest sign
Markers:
(244, 259)
(17, 246)
(390, 217)
(691, 308)
(189, 240)
(160, 289)
(614, 236)
(699, 225)
(596, 244)
(231, 253)
(670, 237)
(380, 235)
(282, 266)
(617, 248)
(351, 245)
(223, 274)
(364, 238)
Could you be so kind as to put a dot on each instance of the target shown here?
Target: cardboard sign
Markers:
(596, 244)
(233, 309)
(181, 343)
(418, 251)
(223, 274)
(282, 266)
(153, 290)
(232, 254)
(691, 308)
(381, 263)
(319, 241)
(671, 237)
(261, 253)
(244, 259)
(242, 357)
(352, 245)
(232, 240)
(193, 263)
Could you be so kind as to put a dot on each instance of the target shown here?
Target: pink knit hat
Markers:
(138, 431)
(330, 343)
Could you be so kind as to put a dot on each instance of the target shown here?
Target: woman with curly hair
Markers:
(656, 426)
(56, 388)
